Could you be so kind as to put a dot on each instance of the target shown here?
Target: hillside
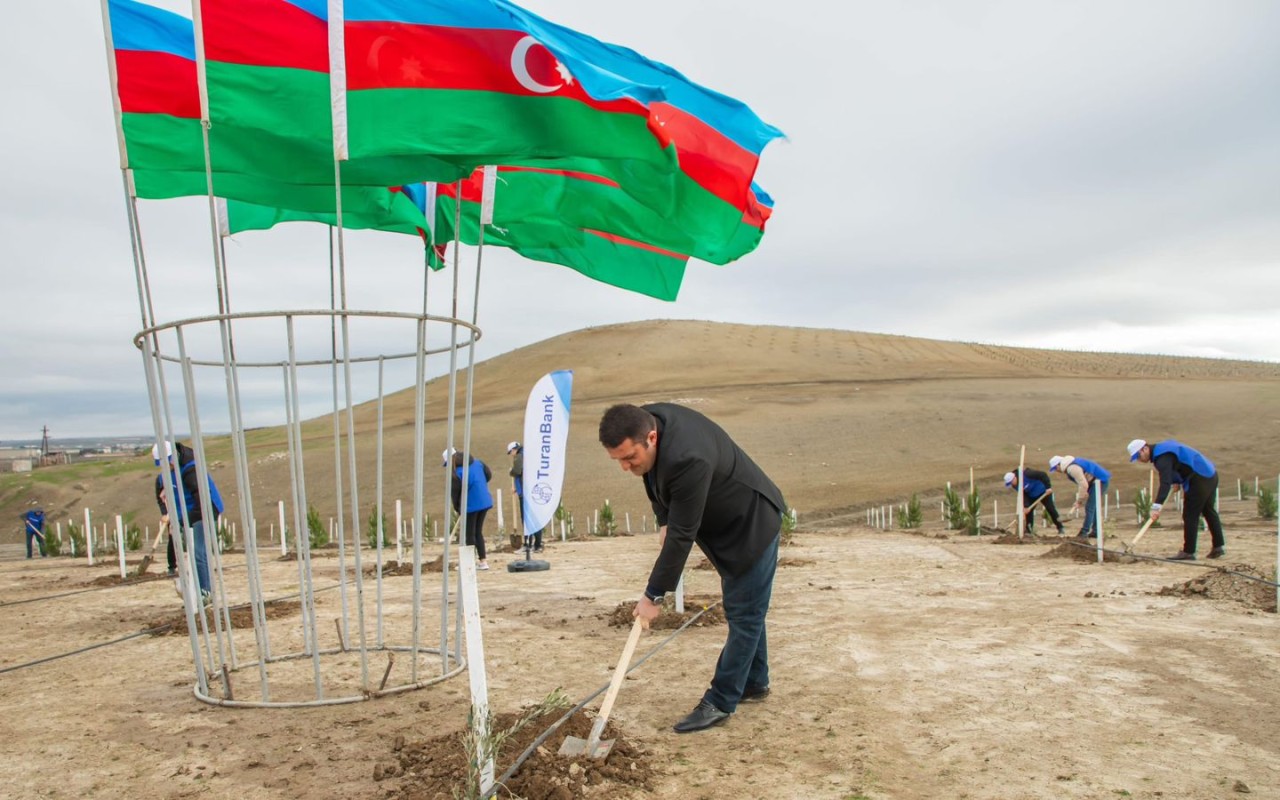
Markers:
(840, 419)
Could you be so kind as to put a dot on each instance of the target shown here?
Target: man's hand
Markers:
(164, 520)
(646, 611)
(1155, 513)
(662, 536)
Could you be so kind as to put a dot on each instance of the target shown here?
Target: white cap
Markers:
(155, 453)
(1054, 463)
(1008, 479)
(513, 446)
(444, 456)
(1135, 447)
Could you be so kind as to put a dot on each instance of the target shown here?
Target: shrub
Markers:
(964, 514)
(564, 515)
(1142, 503)
(132, 537)
(608, 525)
(371, 529)
(52, 545)
(316, 533)
(75, 536)
(788, 526)
(223, 532)
(1266, 503)
(913, 517)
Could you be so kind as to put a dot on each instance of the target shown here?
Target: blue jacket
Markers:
(1093, 470)
(1177, 463)
(34, 520)
(478, 477)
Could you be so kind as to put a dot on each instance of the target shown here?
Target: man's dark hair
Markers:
(625, 421)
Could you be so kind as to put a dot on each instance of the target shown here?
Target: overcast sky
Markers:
(1084, 175)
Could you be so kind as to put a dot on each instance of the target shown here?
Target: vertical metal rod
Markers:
(307, 589)
(378, 522)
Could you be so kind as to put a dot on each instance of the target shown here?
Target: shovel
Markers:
(146, 560)
(592, 747)
(1143, 530)
(1012, 525)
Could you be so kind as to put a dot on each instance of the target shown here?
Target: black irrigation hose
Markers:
(1176, 561)
(147, 632)
(504, 777)
(158, 577)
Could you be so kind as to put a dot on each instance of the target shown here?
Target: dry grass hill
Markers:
(840, 419)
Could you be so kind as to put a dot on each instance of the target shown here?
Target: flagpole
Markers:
(338, 105)
(230, 371)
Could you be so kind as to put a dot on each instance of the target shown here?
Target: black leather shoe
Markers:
(754, 694)
(1182, 555)
(704, 716)
(1217, 552)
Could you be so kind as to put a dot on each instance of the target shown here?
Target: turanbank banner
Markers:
(546, 432)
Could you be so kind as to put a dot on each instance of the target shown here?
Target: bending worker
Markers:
(1090, 479)
(706, 490)
(1036, 485)
(1174, 462)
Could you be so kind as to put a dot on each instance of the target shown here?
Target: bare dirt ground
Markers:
(905, 665)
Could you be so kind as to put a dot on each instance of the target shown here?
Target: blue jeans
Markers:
(39, 537)
(1091, 511)
(202, 556)
(744, 660)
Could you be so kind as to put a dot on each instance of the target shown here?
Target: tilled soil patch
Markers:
(241, 617)
(622, 615)
(438, 767)
(1222, 584)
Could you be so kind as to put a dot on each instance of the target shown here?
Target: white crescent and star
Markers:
(520, 67)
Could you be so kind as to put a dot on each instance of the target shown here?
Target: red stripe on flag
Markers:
(472, 187)
(395, 55)
(580, 176)
(622, 240)
(152, 82)
(757, 213)
(716, 162)
(264, 33)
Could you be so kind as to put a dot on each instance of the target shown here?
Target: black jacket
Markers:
(705, 488)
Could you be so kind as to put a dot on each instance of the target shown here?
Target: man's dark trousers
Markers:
(744, 661)
(1201, 500)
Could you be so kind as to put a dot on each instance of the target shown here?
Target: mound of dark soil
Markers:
(241, 618)
(392, 568)
(1221, 584)
(437, 767)
(623, 615)
(132, 577)
(1086, 553)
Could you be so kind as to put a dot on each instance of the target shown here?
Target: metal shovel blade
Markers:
(575, 746)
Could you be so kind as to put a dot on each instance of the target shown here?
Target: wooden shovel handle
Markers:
(1142, 532)
(619, 672)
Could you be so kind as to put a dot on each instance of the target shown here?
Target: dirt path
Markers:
(904, 666)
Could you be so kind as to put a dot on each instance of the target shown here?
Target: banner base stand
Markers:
(528, 565)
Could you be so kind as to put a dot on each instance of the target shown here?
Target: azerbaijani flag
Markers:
(156, 88)
(417, 68)
(600, 255)
(403, 210)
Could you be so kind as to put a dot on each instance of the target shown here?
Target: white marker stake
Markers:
(680, 596)
(120, 545)
(475, 658)
(502, 525)
(88, 536)
(284, 545)
(1097, 512)
(399, 535)
(995, 513)
(628, 523)
(1239, 489)
(890, 516)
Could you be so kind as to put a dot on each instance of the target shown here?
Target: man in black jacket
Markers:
(704, 488)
